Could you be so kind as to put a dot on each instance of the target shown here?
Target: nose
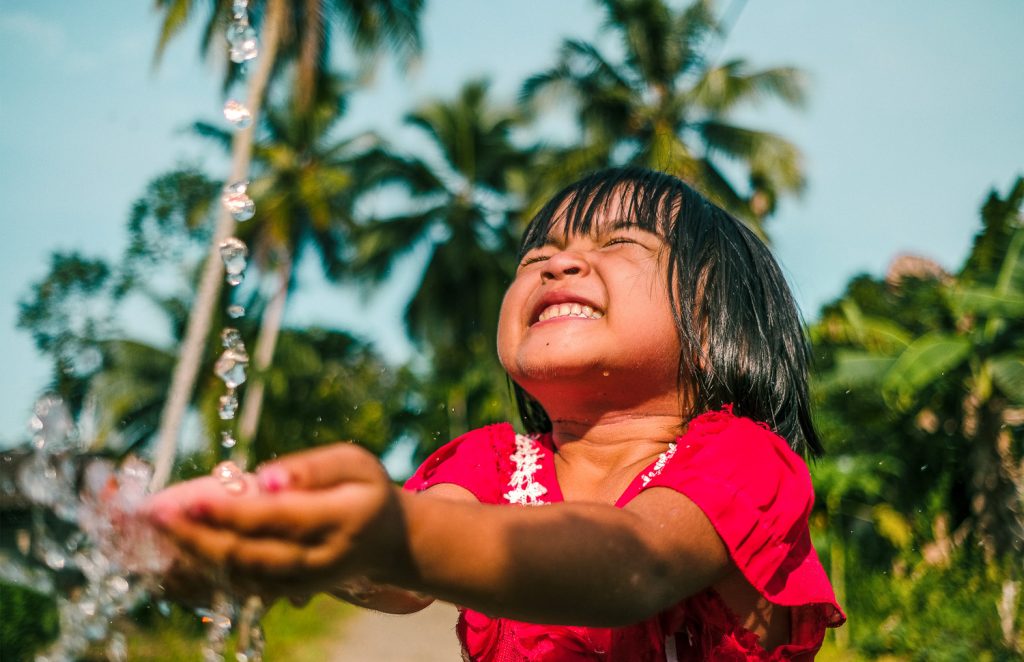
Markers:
(565, 263)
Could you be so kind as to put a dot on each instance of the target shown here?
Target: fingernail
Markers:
(272, 479)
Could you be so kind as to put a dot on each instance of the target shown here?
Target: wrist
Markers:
(397, 567)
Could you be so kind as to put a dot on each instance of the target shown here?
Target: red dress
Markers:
(755, 491)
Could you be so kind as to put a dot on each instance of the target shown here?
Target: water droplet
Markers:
(244, 44)
(164, 607)
(605, 373)
(231, 338)
(923, 467)
(226, 440)
(239, 8)
(51, 554)
(230, 367)
(227, 405)
(237, 114)
(51, 424)
(237, 202)
(234, 279)
(235, 188)
(235, 254)
(231, 477)
(235, 311)
(117, 648)
(37, 479)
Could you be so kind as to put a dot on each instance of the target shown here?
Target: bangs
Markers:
(642, 198)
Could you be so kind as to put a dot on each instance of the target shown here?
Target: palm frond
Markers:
(214, 133)
(378, 244)
(721, 89)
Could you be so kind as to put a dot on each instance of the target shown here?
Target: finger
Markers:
(320, 468)
(209, 544)
(180, 496)
(298, 516)
(250, 561)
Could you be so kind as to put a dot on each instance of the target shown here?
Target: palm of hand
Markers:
(305, 524)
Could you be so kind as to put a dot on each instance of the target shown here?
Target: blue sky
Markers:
(916, 110)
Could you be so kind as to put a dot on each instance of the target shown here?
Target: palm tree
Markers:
(370, 25)
(461, 206)
(664, 106)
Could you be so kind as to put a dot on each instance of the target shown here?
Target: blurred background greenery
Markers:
(919, 381)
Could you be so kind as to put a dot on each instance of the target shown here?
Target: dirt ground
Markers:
(428, 636)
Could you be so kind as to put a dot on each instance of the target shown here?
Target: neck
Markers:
(618, 431)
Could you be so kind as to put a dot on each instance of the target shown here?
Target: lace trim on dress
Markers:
(525, 490)
(659, 465)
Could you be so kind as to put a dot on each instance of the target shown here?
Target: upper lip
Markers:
(560, 296)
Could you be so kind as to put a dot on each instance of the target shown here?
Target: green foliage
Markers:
(27, 621)
(324, 387)
(930, 612)
(919, 378)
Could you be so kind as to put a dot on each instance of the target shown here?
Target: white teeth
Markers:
(570, 310)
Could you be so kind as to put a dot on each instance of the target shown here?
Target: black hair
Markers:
(741, 336)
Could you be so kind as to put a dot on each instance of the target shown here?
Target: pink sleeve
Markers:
(470, 461)
(757, 494)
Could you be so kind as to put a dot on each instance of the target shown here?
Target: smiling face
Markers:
(590, 311)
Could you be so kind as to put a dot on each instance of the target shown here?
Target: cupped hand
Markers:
(303, 524)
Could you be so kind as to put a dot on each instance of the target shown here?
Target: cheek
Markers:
(508, 323)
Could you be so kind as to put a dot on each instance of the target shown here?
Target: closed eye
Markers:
(530, 260)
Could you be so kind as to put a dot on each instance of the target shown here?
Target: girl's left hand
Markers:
(305, 524)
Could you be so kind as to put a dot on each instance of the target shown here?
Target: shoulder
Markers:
(757, 494)
(473, 461)
(724, 449)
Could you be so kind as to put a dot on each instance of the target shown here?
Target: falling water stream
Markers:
(85, 543)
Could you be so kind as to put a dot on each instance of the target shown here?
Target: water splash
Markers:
(51, 425)
(236, 311)
(92, 534)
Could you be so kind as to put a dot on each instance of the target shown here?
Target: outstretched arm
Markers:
(577, 563)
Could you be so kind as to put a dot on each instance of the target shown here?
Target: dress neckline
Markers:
(549, 476)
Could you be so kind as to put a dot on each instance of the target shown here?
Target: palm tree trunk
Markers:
(309, 55)
(185, 371)
(996, 484)
(270, 330)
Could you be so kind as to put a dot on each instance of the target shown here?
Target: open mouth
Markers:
(571, 309)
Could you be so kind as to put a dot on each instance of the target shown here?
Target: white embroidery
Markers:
(671, 655)
(659, 465)
(525, 490)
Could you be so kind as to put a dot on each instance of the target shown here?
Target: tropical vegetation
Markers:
(919, 382)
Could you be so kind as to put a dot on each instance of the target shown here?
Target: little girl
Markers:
(661, 373)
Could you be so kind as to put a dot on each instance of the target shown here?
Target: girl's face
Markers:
(591, 310)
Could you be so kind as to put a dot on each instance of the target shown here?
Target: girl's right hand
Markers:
(311, 521)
